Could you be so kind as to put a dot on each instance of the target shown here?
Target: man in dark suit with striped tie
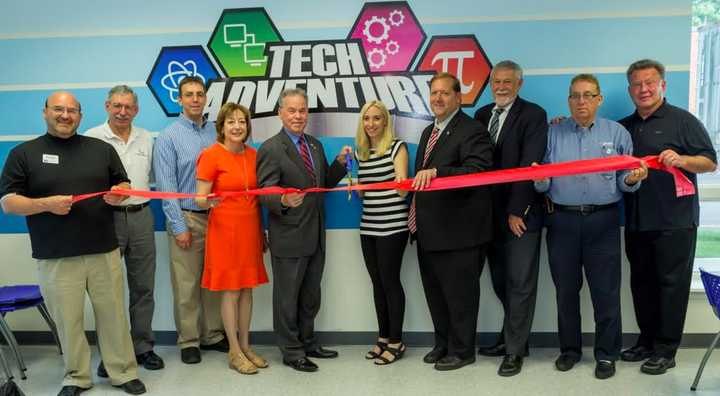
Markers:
(518, 129)
(296, 225)
(451, 227)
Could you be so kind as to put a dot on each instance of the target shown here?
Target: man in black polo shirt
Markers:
(74, 243)
(660, 228)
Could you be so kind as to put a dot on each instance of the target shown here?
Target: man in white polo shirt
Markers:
(134, 223)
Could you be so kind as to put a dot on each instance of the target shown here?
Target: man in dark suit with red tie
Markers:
(451, 227)
(518, 129)
(296, 226)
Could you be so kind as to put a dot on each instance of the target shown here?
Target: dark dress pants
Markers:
(591, 242)
(514, 263)
(383, 259)
(452, 289)
(661, 266)
(296, 302)
(136, 239)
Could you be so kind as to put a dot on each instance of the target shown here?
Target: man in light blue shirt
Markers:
(583, 225)
(196, 310)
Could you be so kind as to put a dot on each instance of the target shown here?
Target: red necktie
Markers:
(306, 159)
(412, 225)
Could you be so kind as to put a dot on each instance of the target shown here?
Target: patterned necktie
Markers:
(412, 225)
(306, 159)
(495, 124)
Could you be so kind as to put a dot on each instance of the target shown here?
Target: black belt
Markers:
(206, 211)
(584, 209)
(131, 208)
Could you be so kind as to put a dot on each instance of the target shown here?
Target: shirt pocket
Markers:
(607, 149)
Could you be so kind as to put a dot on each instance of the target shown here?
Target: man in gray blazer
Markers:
(296, 225)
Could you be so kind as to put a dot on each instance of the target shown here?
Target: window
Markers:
(704, 103)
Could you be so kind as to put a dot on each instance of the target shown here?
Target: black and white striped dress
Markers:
(385, 212)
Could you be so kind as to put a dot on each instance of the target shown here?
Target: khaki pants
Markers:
(63, 283)
(197, 310)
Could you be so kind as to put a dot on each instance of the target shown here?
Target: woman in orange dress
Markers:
(234, 243)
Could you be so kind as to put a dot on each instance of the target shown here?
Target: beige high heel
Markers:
(239, 362)
(256, 360)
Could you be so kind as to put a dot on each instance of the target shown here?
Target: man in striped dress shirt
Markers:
(197, 310)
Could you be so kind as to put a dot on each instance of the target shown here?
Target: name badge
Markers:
(51, 159)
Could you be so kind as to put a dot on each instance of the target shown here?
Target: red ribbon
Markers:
(683, 186)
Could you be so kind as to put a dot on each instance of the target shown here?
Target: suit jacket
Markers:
(295, 232)
(460, 218)
(522, 141)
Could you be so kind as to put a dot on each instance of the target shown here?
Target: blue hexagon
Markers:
(171, 66)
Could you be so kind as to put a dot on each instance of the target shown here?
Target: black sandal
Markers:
(397, 354)
(374, 355)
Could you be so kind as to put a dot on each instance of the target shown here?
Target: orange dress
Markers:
(233, 244)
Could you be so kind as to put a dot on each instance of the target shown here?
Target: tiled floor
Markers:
(350, 374)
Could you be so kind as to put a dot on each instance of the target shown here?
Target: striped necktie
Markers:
(412, 225)
(305, 154)
(495, 124)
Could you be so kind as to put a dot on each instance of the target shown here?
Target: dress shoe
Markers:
(657, 365)
(494, 350)
(190, 355)
(435, 355)
(101, 372)
(220, 346)
(71, 390)
(566, 361)
(636, 354)
(604, 369)
(302, 364)
(511, 365)
(453, 362)
(150, 360)
(133, 387)
(322, 353)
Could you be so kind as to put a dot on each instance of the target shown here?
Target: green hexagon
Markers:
(238, 42)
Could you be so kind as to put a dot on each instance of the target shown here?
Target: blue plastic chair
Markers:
(15, 298)
(712, 290)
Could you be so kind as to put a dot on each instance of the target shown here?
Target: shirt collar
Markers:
(506, 108)
(659, 112)
(577, 127)
(109, 134)
(190, 123)
(441, 125)
(295, 138)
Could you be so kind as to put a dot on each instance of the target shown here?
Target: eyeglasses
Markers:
(120, 107)
(585, 95)
(59, 110)
(648, 83)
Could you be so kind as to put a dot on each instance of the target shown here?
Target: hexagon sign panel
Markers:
(239, 40)
(171, 66)
(462, 56)
(391, 35)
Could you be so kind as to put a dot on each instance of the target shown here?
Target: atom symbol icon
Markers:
(176, 71)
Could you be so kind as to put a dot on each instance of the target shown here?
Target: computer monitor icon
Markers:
(235, 35)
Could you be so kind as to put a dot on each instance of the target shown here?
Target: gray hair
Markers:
(122, 90)
(643, 64)
(292, 92)
(509, 65)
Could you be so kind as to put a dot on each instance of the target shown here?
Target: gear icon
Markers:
(392, 47)
(375, 53)
(396, 18)
(385, 30)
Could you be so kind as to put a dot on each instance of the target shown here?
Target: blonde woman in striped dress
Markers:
(383, 228)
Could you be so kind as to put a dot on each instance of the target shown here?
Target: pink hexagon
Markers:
(391, 35)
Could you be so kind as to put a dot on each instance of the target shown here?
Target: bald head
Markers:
(62, 114)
